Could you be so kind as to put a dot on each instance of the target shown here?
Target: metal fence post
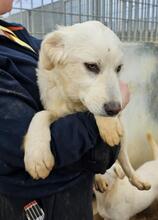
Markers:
(132, 20)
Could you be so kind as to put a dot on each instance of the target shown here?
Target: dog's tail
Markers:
(154, 145)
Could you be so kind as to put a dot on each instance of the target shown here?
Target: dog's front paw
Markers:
(38, 158)
(110, 129)
(100, 183)
(135, 181)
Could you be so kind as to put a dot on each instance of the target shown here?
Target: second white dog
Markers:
(122, 201)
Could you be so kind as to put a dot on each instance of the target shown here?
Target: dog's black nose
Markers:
(112, 108)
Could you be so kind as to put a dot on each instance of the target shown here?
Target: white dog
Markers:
(78, 70)
(122, 201)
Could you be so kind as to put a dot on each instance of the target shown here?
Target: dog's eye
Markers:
(118, 68)
(93, 67)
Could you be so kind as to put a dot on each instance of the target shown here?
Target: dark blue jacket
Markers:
(75, 138)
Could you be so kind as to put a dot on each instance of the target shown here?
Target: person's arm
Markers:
(81, 144)
(73, 137)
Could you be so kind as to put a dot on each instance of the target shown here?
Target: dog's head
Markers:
(86, 59)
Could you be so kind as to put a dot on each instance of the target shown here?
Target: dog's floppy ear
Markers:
(52, 50)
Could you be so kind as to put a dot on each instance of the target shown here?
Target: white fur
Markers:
(70, 80)
(122, 201)
(137, 120)
(66, 86)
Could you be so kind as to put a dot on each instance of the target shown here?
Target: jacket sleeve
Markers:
(72, 136)
(76, 140)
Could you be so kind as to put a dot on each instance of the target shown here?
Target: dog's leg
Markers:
(111, 132)
(129, 171)
(101, 182)
(110, 129)
(38, 157)
(119, 171)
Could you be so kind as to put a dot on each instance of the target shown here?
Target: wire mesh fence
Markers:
(131, 20)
